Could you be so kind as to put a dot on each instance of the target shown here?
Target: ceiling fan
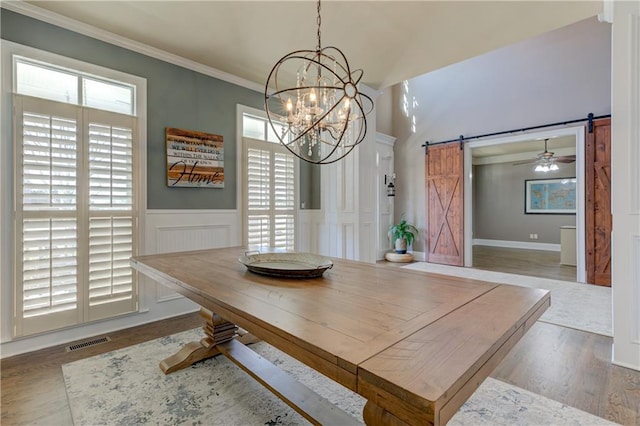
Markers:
(547, 160)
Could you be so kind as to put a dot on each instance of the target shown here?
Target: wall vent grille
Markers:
(88, 344)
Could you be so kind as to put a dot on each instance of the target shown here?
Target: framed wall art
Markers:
(550, 196)
(194, 159)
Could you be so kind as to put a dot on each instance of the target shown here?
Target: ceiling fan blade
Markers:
(524, 162)
(566, 159)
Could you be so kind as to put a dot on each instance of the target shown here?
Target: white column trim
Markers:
(625, 185)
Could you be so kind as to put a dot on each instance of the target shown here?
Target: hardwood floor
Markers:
(32, 386)
(535, 263)
(566, 365)
(573, 367)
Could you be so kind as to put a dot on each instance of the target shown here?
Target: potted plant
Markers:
(402, 235)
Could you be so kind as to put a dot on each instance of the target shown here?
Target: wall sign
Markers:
(194, 159)
(550, 196)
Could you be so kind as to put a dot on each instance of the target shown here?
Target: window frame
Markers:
(8, 208)
(254, 113)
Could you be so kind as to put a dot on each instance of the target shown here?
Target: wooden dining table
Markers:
(415, 345)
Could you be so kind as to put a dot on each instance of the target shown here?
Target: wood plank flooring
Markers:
(573, 367)
(32, 386)
(534, 263)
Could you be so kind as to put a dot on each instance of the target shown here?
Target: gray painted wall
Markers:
(561, 75)
(176, 97)
(498, 204)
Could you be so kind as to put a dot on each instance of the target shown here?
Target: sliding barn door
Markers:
(444, 186)
(598, 203)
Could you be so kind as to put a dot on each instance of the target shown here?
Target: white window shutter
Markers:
(259, 230)
(47, 274)
(258, 197)
(110, 167)
(75, 227)
(270, 195)
(284, 235)
(111, 208)
(284, 199)
(49, 266)
(49, 162)
(258, 179)
(284, 181)
(110, 247)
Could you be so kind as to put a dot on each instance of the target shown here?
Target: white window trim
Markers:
(241, 181)
(7, 208)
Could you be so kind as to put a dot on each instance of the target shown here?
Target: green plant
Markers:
(403, 230)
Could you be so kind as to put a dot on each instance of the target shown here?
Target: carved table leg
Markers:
(217, 330)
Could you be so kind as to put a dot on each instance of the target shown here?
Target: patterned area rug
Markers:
(580, 306)
(126, 387)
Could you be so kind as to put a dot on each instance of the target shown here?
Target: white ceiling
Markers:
(390, 40)
(561, 145)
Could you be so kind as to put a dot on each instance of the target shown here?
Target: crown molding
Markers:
(385, 139)
(120, 41)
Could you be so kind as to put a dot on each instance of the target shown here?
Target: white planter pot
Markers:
(401, 245)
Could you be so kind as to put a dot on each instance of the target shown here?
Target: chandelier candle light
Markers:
(323, 117)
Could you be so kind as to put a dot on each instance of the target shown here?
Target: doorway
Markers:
(513, 149)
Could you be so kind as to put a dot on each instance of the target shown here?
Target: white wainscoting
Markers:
(348, 239)
(308, 236)
(368, 239)
(326, 234)
(183, 230)
(189, 237)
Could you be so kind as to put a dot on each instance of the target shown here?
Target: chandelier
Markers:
(322, 117)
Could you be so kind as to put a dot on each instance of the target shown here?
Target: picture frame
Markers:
(194, 159)
(550, 196)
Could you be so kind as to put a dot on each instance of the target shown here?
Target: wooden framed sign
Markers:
(194, 159)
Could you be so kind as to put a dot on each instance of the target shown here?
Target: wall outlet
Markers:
(533, 236)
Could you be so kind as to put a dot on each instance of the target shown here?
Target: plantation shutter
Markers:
(258, 196)
(71, 256)
(47, 228)
(270, 195)
(283, 198)
(111, 209)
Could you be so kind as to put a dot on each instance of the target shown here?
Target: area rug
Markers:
(126, 387)
(580, 306)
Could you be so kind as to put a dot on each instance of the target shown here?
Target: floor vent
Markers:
(88, 344)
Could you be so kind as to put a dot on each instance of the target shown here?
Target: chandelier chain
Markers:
(319, 22)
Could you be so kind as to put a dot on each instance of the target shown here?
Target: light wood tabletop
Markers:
(416, 345)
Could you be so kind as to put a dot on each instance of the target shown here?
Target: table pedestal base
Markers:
(217, 330)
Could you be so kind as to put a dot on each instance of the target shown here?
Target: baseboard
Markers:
(33, 343)
(516, 244)
(419, 256)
